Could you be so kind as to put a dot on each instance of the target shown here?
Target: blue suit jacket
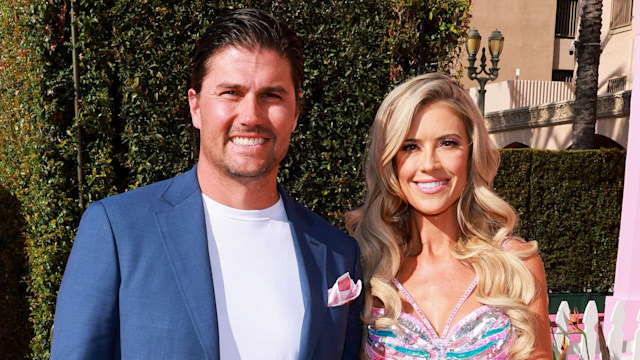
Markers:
(138, 281)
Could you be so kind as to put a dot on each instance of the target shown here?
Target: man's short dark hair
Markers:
(250, 29)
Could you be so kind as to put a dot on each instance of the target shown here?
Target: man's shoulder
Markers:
(300, 212)
(158, 191)
(315, 223)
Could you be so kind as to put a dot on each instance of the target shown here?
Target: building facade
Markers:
(538, 66)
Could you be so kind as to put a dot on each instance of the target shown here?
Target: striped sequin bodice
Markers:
(485, 333)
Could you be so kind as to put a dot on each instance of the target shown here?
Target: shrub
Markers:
(570, 202)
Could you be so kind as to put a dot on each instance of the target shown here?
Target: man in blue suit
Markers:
(219, 262)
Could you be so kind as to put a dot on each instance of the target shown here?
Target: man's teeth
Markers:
(431, 185)
(247, 141)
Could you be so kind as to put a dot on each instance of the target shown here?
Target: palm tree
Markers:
(588, 54)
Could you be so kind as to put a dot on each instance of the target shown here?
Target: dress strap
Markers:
(423, 317)
(464, 297)
(416, 308)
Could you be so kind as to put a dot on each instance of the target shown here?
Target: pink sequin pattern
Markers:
(486, 333)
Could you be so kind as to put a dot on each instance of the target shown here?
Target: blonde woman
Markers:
(445, 277)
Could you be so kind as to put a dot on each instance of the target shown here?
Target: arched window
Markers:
(517, 145)
(603, 142)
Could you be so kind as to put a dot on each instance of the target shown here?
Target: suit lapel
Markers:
(312, 269)
(184, 238)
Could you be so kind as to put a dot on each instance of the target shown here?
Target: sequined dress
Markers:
(486, 333)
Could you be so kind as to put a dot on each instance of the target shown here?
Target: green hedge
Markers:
(570, 202)
(134, 58)
(19, 166)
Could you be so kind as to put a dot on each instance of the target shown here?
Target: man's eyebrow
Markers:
(267, 89)
(274, 89)
(227, 85)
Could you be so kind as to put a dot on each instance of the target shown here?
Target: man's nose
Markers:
(251, 111)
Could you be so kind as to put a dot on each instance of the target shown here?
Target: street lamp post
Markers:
(496, 41)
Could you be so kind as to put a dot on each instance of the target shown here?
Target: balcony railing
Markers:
(512, 94)
(616, 84)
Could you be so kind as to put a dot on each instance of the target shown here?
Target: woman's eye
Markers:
(449, 143)
(409, 147)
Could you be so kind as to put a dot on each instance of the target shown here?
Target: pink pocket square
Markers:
(344, 291)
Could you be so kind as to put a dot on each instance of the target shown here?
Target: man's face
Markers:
(246, 112)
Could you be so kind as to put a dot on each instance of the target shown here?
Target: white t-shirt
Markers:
(256, 281)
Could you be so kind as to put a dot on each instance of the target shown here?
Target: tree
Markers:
(584, 124)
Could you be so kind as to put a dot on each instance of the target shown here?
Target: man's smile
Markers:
(248, 141)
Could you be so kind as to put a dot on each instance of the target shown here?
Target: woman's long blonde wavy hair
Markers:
(381, 225)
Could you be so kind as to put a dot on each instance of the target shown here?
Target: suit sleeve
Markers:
(86, 318)
(353, 339)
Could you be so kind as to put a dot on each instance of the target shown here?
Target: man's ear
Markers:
(297, 115)
(194, 107)
(295, 122)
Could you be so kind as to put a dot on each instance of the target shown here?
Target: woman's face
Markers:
(432, 162)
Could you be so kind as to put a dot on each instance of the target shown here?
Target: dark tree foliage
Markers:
(15, 330)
